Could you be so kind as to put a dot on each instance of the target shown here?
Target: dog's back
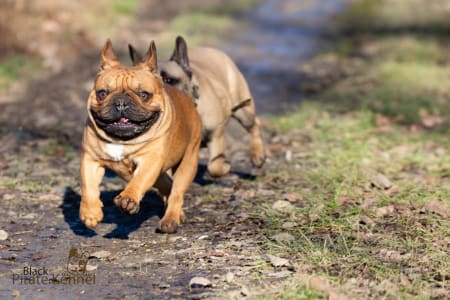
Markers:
(221, 71)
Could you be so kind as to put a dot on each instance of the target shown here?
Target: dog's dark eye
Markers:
(171, 80)
(145, 95)
(101, 94)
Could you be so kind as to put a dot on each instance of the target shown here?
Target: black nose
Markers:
(121, 103)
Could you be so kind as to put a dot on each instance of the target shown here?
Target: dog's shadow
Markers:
(150, 206)
(203, 178)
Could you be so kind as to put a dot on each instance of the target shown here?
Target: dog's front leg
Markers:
(144, 177)
(217, 166)
(91, 176)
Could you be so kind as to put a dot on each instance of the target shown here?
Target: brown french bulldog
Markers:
(219, 91)
(140, 128)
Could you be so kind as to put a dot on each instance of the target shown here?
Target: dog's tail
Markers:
(241, 105)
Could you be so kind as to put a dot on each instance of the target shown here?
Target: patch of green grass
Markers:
(198, 26)
(404, 82)
(343, 231)
(13, 67)
(292, 291)
(125, 8)
(389, 15)
(392, 242)
(26, 186)
(233, 7)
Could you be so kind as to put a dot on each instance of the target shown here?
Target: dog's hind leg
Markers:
(183, 177)
(164, 185)
(246, 116)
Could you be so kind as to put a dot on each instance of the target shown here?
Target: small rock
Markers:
(381, 181)
(288, 155)
(291, 197)
(385, 211)
(289, 225)
(283, 206)
(229, 277)
(3, 235)
(199, 282)
(244, 291)
(101, 254)
(90, 268)
(283, 237)
(8, 197)
(277, 261)
(263, 192)
(387, 255)
(203, 237)
(173, 239)
(164, 285)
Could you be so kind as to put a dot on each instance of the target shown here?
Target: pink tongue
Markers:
(123, 120)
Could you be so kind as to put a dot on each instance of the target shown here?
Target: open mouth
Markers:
(125, 128)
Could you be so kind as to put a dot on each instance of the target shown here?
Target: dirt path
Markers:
(39, 172)
(281, 36)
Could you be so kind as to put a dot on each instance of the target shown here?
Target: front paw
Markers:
(126, 204)
(170, 222)
(91, 213)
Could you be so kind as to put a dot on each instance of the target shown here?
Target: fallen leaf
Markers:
(199, 282)
(342, 201)
(229, 277)
(291, 197)
(387, 255)
(288, 225)
(319, 283)
(381, 181)
(382, 121)
(3, 235)
(436, 207)
(101, 254)
(431, 121)
(283, 237)
(336, 296)
(277, 261)
(283, 206)
(385, 211)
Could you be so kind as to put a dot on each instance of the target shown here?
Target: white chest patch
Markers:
(115, 151)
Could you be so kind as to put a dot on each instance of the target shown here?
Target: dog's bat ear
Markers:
(135, 56)
(109, 59)
(180, 55)
(150, 58)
